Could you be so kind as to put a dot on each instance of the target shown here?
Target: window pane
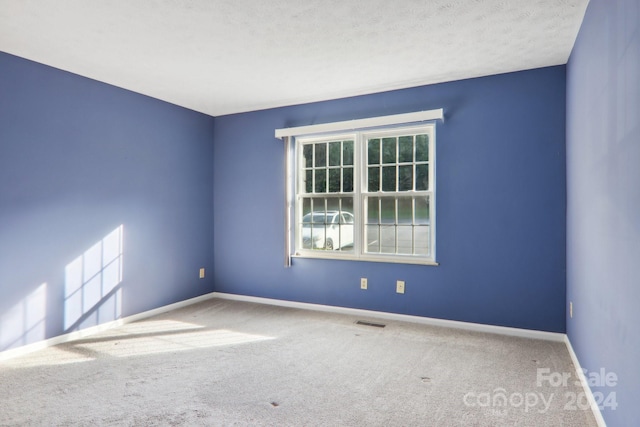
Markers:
(405, 210)
(321, 181)
(347, 153)
(388, 239)
(388, 150)
(334, 153)
(406, 149)
(317, 236)
(347, 226)
(405, 239)
(373, 151)
(306, 223)
(318, 211)
(421, 240)
(346, 238)
(347, 180)
(388, 213)
(373, 238)
(306, 210)
(347, 209)
(373, 210)
(374, 179)
(422, 177)
(307, 153)
(308, 181)
(333, 209)
(314, 205)
(405, 175)
(321, 155)
(317, 227)
(422, 211)
(389, 178)
(334, 180)
(422, 148)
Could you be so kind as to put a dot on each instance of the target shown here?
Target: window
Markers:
(326, 171)
(366, 195)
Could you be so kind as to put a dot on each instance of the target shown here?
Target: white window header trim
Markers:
(371, 122)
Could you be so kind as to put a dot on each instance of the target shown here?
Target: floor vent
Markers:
(375, 325)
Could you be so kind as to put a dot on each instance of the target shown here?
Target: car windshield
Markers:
(317, 218)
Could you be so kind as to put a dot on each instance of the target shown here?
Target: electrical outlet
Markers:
(400, 286)
(570, 309)
(202, 273)
(363, 283)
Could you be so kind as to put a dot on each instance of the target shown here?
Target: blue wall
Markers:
(603, 209)
(500, 206)
(78, 159)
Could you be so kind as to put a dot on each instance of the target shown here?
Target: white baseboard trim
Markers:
(60, 339)
(500, 330)
(478, 327)
(585, 385)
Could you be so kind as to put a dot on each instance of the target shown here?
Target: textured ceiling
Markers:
(228, 56)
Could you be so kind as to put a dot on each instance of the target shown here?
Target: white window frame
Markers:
(349, 127)
(360, 138)
(430, 130)
(299, 196)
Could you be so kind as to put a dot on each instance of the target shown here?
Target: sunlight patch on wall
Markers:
(24, 323)
(92, 292)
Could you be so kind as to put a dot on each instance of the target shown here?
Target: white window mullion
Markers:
(397, 166)
(395, 224)
(326, 168)
(341, 171)
(379, 227)
(413, 225)
(360, 177)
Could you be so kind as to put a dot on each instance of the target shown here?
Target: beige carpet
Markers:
(233, 363)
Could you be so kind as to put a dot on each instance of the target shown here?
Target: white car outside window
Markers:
(330, 231)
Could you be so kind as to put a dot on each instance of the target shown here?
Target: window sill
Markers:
(340, 256)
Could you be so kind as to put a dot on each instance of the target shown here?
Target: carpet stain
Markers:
(375, 325)
(275, 404)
